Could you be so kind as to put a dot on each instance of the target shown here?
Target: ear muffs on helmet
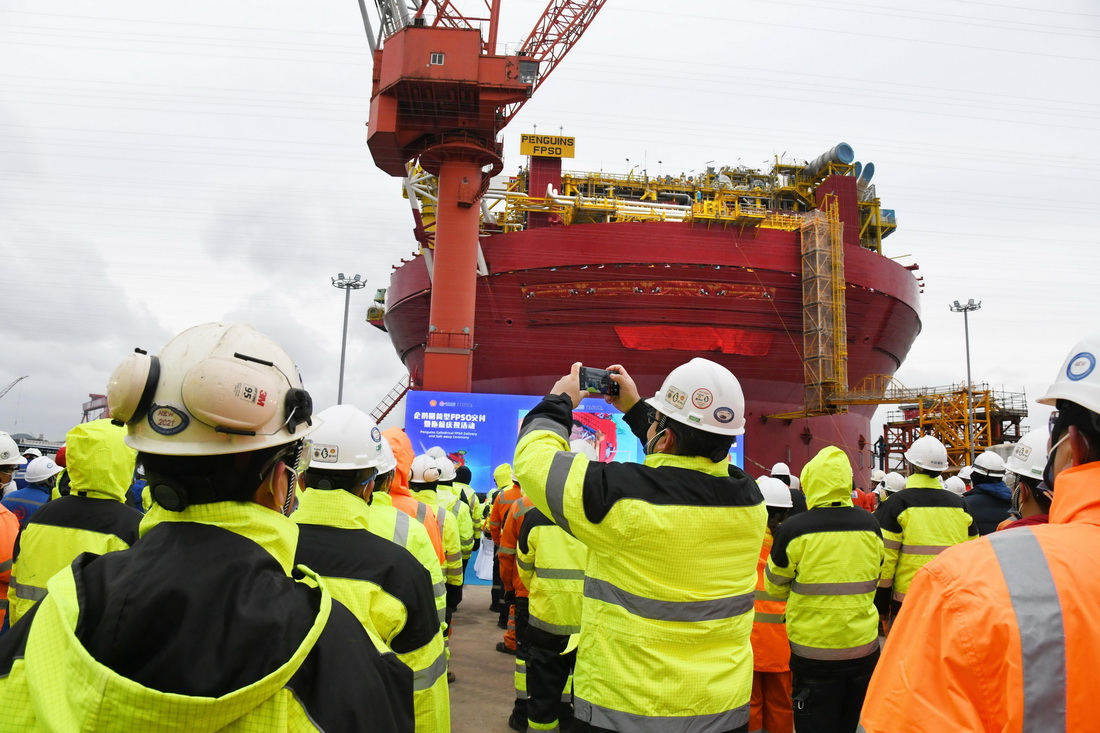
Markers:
(132, 386)
(299, 409)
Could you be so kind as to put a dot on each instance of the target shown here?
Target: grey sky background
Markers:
(168, 164)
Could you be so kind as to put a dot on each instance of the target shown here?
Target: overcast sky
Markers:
(168, 164)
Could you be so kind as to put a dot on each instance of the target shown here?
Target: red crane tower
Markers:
(441, 94)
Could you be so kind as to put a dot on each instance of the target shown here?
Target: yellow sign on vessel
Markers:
(547, 146)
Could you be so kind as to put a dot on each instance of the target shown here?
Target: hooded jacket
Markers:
(1000, 634)
(199, 628)
(92, 518)
(826, 563)
(989, 502)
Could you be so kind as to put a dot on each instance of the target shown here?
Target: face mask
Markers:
(1048, 470)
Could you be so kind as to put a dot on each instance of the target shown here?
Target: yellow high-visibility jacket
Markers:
(670, 580)
(451, 497)
(826, 562)
(551, 564)
(386, 588)
(141, 640)
(448, 530)
(92, 518)
(392, 524)
(918, 523)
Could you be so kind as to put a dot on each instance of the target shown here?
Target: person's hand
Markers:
(628, 391)
(570, 385)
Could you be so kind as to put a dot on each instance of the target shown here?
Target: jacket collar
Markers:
(694, 463)
(332, 508)
(922, 481)
(1077, 495)
(268, 529)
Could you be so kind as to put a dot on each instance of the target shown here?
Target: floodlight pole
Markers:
(966, 309)
(347, 284)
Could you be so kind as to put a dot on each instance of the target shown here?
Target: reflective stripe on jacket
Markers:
(918, 523)
(1000, 634)
(668, 597)
(551, 565)
(501, 507)
(418, 510)
(451, 498)
(825, 562)
(386, 588)
(771, 651)
(397, 526)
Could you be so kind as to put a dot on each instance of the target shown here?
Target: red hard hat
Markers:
(59, 459)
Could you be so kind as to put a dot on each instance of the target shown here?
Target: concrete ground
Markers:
(483, 691)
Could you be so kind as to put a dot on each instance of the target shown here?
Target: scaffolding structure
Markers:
(994, 416)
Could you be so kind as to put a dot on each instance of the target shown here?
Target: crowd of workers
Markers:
(216, 556)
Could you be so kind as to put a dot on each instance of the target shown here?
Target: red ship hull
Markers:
(653, 295)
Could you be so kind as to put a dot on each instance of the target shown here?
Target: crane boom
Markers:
(440, 95)
(8, 388)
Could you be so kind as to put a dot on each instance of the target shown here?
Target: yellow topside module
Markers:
(547, 146)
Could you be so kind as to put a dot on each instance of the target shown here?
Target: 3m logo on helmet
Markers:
(167, 420)
(676, 397)
(1080, 366)
(249, 393)
(326, 453)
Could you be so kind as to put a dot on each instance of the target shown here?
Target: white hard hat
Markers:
(9, 452)
(927, 453)
(446, 468)
(781, 469)
(775, 492)
(389, 460)
(425, 470)
(436, 452)
(877, 476)
(41, 469)
(1029, 457)
(214, 389)
(32, 452)
(796, 483)
(346, 440)
(893, 482)
(1078, 380)
(965, 472)
(955, 485)
(577, 445)
(990, 464)
(703, 395)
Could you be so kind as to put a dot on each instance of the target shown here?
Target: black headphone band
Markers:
(148, 391)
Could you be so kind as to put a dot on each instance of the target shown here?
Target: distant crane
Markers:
(8, 388)
(440, 95)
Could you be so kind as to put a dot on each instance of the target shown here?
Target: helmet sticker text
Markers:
(1080, 366)
(326, 453)
(249, 393)
(723, 414)
(167, 420)
(376, 435)
(702, 398)
(676, 397)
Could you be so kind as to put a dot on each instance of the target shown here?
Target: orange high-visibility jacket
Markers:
(501, 507)
(771, 652)
(9, 529)
(509, 539)
(956, 659)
